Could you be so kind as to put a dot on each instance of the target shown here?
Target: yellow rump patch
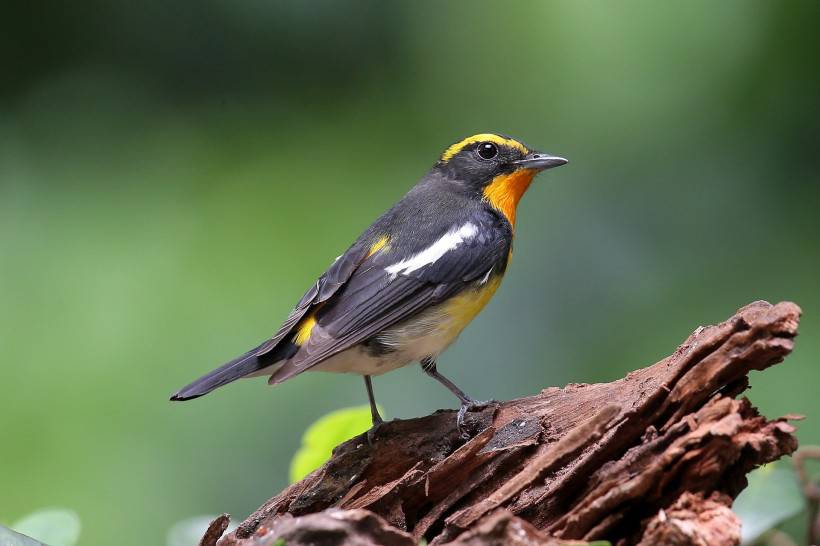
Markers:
(483, 137)
(306, 325)
(378, 245)
(505, 191)
(304, 328)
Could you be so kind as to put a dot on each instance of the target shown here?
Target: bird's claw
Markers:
(370, 435)
(471, 405)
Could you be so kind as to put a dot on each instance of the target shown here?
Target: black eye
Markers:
(487, 150)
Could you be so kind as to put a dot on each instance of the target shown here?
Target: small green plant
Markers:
(50, 526)
(12, 538)
(771, 497)
(325, 434)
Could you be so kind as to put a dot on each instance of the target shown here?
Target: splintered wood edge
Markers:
(757, 336)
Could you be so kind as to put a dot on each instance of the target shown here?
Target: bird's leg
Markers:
(467, 402)
(429, 367)
(374, 410)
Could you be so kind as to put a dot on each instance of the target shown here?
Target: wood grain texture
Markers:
(655, 457)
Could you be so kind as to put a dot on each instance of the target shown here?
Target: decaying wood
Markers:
(215, 530)
(653, 458)
(693, 519)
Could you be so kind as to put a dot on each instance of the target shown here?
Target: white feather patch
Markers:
(430, 255)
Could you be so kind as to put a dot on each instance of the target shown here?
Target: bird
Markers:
(410, 283)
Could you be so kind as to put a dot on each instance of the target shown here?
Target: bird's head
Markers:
(497, 168)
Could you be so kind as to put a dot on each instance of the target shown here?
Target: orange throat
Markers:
(505, 191)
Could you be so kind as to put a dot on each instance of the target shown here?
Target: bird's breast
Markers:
(427, 334)
(430, 332)
(463, 308)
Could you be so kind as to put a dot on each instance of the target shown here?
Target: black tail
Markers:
(235, 369)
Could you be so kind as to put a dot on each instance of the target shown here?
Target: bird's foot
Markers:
(374, 430)
(469, 406)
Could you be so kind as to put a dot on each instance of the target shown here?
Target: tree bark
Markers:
(654, 458)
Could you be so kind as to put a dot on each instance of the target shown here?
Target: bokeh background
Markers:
(174, 175)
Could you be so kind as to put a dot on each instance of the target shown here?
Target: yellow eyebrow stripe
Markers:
(482, 137)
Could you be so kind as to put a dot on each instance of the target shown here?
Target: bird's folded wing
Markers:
(331, 280)
(379, 295)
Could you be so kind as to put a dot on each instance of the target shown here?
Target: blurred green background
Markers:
(174, 175)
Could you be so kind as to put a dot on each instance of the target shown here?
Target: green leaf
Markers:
(772, 496)
(53, 526)
(11, 538)
(325, 434)
(599, 543)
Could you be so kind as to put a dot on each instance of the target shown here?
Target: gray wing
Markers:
(374, 298)
(262, 356)
(325, 287)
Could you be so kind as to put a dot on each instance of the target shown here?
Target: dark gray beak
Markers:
(539, 161)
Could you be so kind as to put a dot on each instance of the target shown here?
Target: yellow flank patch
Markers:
(378, 245)
(505, 191)
(304, 329)
(464, 307)
(483, 137)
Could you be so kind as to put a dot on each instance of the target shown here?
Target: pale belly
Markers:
(425, 335)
